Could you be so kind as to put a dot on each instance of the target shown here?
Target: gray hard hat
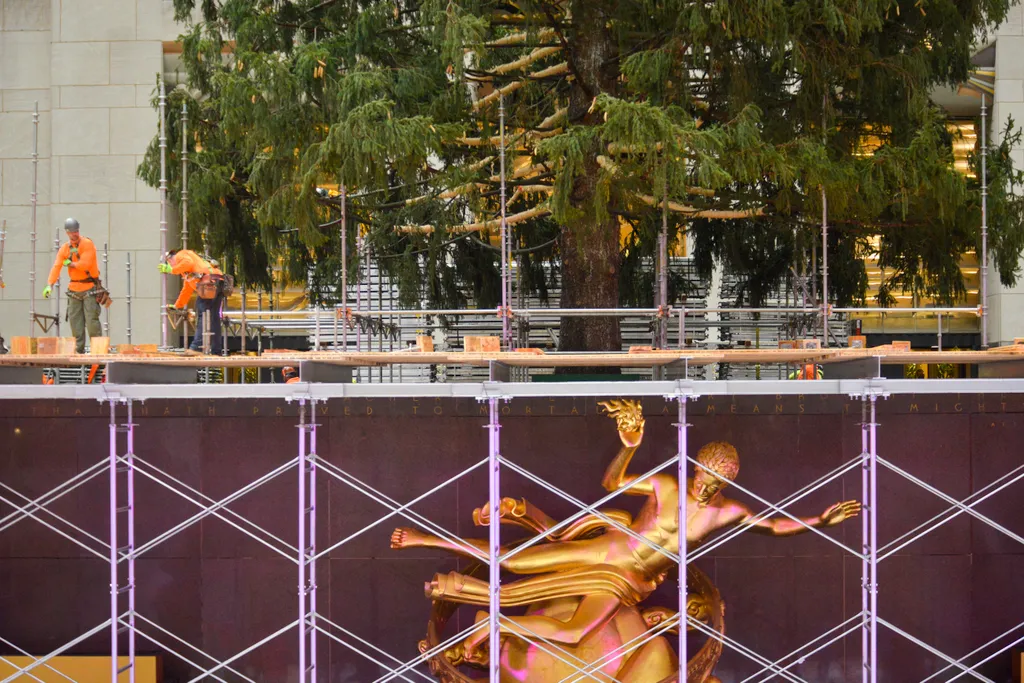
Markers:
(71, 225)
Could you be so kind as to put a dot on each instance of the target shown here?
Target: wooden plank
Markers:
(23, 346)
(99, 346)
(81, 669)
(66, 346)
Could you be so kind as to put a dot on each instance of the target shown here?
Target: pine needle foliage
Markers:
(747, 109)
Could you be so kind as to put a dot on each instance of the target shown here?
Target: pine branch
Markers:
(556, 70)
(536, 212)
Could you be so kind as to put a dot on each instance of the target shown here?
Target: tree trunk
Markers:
(589, 248)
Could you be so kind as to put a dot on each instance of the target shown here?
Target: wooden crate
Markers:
(99, 346)
(481, 344)
(641, 349)
(47, 346)
(787, 343)
(424, 343)
(858, 341)
(900, 346)
(66, 346)
(808, 343)
(531, 350)
(23, 346)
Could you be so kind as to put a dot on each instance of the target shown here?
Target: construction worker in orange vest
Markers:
(198, 275)
(85, 293)
(289, 375)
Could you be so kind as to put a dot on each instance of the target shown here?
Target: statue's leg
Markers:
(593, 613)
(653, 662)
(545, 557)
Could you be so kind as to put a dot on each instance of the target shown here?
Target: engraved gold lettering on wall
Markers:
(279, 411)
(778, 410)
(529, 411)
(506, 409)
(323, 408)
(959, 407)
(255, 409)
(757, 409)
(914, 408)
(369, 410)
(438, 410)
(710, 409)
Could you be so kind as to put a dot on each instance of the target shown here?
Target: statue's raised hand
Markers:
(629, 420)
(840, 512)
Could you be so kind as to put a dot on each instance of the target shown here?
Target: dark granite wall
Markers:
(222, 591)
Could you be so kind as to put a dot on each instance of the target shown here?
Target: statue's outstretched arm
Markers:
(784, 526)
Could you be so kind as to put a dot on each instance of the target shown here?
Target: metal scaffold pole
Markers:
(56, 285)
(824, 268)
(122, 553)
(662, 261)
(505, 283)
(128, 297)
(184, 175)
(344, 269)
(35, 202)
(984, 224)
(494, 545)
(307, 541)
(869, 543)
(106, 309)
(681, 432)
(163, 210)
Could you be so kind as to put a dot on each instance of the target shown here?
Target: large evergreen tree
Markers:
(743, 113)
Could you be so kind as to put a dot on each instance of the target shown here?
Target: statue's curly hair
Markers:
(721, 458)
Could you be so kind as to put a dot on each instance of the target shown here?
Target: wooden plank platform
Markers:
(546, 360)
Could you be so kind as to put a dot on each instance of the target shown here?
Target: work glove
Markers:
(46, 291)
(164, 268)
(67, 262)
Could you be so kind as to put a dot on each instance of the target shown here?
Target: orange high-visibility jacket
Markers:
(86, 266)
(191, 267)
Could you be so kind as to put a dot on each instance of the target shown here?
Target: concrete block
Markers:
(16, 269)
(16, 135)
(143, 192)
(80, 63)
(1010, 89)
(17, 180)
(94, 219)
(132, 130)
(25, 59)
(135, 226)
(19, 227)
(136, 63)
(147, 279)
(144, 96)
(81, 132)
(97, 20)
(96, 96)
(26, 100)
(155, 20)
(97, 179)
(1009, 49)
(1014, 24)
(26, 15)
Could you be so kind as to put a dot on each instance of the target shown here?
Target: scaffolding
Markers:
(123, 467)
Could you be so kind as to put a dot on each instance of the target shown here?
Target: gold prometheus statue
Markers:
(584, 583)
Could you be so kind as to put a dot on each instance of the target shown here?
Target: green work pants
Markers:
(84, 315)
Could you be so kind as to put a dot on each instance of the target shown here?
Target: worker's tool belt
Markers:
(211, 286)
(98, 291)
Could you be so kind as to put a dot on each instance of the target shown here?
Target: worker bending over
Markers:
(200, 276)
(85, 292)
